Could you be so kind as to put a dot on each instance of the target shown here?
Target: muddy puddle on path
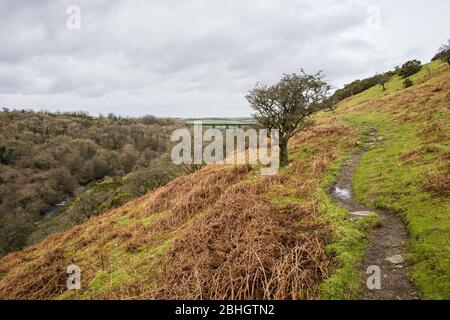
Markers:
(343, 194)
(389, 243)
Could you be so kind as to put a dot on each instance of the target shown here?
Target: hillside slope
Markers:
(227, 233)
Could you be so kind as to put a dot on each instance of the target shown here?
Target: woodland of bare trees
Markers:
(46, 157)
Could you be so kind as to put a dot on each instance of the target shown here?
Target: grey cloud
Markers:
(192, 58)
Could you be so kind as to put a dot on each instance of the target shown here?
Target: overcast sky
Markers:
(199, 58)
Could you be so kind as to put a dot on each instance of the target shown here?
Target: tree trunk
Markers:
(284, 158)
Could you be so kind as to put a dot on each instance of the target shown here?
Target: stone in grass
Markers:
(396, 259)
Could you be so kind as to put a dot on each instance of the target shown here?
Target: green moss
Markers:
(100, 281)
(152, 218)
(123, 268)
(282, 196)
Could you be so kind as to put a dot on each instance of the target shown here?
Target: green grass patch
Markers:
(124, 268)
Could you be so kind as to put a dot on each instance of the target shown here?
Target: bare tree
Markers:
(382, 79)
(85, 207)
(289, 105)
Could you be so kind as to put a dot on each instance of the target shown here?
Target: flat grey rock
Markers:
(363, 213)
(397, 259)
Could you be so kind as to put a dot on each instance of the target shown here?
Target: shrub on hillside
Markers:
(409, 68)
(13, 226)
(382, 79)
(355, 87)
(407, 83)
(443, 53)
(5, 155)
(155, 174)
(359, 86)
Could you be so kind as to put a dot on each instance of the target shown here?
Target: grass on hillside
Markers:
(408, 172)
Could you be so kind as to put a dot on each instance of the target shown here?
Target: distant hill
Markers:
(222, 121)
